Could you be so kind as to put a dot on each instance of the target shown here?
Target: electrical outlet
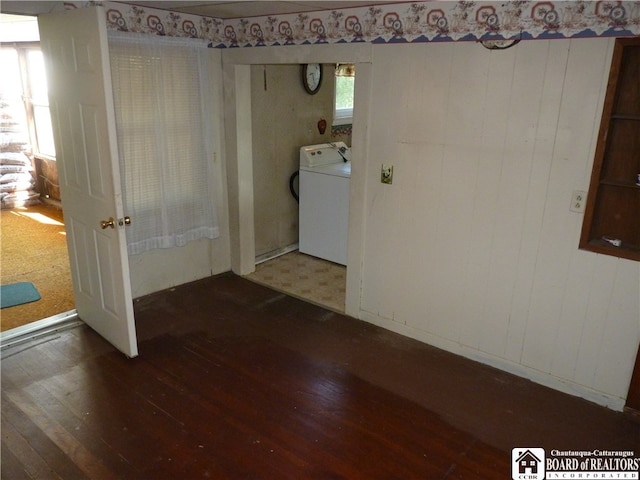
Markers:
(578, 199)
(386, 174)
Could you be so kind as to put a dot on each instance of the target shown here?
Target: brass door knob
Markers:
(124, 221)
(107, 223)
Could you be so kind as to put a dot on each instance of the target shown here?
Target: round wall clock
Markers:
(312, 77)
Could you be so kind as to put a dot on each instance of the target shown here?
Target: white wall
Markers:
(473, 248)
(164, 268)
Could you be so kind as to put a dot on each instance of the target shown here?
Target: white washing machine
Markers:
(325, 172)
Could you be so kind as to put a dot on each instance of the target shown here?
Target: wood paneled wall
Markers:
(473, 247)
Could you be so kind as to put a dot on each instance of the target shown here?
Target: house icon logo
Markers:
(527, 464)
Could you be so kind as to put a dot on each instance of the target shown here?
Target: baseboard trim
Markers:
(562, 385)
(276, 253)
(632, 413)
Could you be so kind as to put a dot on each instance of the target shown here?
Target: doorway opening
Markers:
(34, 247)
(278, 92)
(34, 250)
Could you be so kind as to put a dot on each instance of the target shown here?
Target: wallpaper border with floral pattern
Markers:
(411, 22)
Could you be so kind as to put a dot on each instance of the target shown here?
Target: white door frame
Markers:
(238, 141)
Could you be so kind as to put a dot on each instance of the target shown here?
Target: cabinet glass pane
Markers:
(628, 96)
(622, 155)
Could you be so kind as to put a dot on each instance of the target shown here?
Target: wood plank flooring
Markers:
(237, 381)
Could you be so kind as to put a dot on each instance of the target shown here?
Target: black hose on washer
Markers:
(293, 191)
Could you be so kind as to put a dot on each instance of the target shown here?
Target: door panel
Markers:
(633, 397)
(74, 43)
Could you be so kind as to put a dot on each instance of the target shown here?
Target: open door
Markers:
(633, 397)
(74, 44)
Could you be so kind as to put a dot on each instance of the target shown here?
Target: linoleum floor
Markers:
(309, 278)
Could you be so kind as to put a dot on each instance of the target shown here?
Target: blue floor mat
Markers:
(17, 294)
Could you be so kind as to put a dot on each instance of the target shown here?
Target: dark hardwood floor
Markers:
(237, 381)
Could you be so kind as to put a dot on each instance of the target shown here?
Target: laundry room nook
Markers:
(301, 123)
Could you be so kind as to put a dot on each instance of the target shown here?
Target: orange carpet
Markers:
(34, 249)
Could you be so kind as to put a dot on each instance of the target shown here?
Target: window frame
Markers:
(23, 49)
(341, 116)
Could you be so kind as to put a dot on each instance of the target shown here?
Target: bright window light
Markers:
(343, 111)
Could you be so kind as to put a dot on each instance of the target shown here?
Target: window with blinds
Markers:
(164, 139)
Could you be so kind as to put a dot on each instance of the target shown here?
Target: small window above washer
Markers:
(344, 90)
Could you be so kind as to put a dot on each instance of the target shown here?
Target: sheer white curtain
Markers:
(164, 139)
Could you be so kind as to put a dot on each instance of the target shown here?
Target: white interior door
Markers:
(74, 43)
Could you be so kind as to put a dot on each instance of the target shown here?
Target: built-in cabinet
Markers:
(612, 216)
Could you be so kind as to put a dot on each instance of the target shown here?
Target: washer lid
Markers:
(323, 154)
(342, 169)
